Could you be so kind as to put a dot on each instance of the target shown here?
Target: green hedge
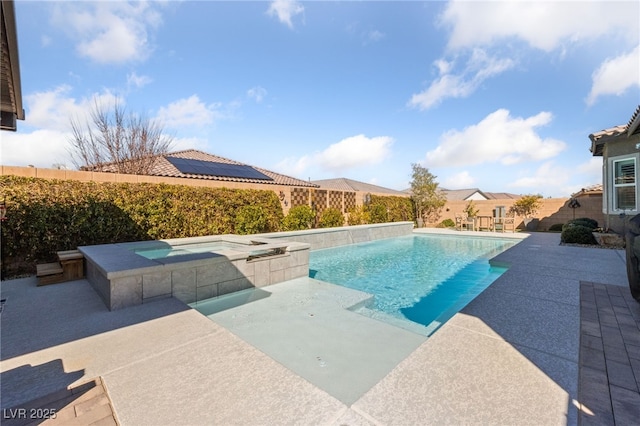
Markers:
(46, 216)
(331, 218)
(390, 209)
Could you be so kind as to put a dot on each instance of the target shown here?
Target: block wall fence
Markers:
(554, 210)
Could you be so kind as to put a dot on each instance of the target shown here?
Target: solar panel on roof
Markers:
(212, 168)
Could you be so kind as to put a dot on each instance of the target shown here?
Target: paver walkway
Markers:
(609, 355)
(86, 404)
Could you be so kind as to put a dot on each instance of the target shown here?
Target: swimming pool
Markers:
(424, 279)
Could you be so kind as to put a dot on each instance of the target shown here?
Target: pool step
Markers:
(49, 273)
(70, 267)
(72, 262)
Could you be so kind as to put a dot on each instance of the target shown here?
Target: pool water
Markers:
(424, 279)
(161, 253)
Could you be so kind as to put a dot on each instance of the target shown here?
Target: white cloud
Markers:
(350, 153)
(460, 180)
(181, 144)
(40, 148)
(355, 151)
(373, 36)
(189, 112)
(616, 75)
(543, 25)
(497, 138)
(257, 93)
(137, 81)
(478, 68)
(109, 32)
(285, 10)
(292, 166)
(547, 180)
(54, 109)
(592, 168)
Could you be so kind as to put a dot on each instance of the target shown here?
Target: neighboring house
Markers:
(344, 184)
(464, 194)
(10, 89)
(619, 148)
(194, 164)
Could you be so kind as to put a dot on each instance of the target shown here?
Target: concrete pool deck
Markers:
(512, 356)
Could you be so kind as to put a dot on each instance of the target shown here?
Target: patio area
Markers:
(539, 346)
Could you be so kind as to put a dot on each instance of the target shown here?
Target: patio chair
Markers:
(500, 224)
(464, 222)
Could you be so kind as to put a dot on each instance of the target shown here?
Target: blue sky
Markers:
(495, 95)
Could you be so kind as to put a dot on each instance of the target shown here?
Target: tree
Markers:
(527, 205)
(427, 197)
(120, 141)
(470, 209)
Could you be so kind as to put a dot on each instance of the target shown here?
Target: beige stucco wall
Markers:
(553, 210)
(619, 147)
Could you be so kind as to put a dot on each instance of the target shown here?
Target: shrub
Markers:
(556, 227)
(45, 216)
(577, 234)
(299, 218)
(331, 218)
(585, 221)
(397, 208)
(447, 223)
(251, 220)
(358, 216)
(378, 213)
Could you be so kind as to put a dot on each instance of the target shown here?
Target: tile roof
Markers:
(502, 195)
(597, 188)
(344, 184)
(462, 194)
(163, 167)
(598, 139)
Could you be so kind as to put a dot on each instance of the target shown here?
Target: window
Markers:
(624, 184)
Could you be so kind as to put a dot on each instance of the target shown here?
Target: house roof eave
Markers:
(11, 71)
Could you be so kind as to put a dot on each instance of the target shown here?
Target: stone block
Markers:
(276, 276)
(261, 277)
(216, 273)
(278, 263)
(621, 375)
(244, 268)
(300, 258)
(125, 292)
(206, 292)
(233, 286)
(183, 285)
(296, 272)
(156, 284)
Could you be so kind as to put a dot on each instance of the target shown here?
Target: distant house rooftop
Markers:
(195, 164)
(477, 194)
(344, 184)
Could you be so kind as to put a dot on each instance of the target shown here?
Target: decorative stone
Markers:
(609, 239)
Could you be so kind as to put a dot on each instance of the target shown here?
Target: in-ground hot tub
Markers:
(190, 269)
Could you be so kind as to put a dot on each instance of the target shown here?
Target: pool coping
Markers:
(524, 329)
